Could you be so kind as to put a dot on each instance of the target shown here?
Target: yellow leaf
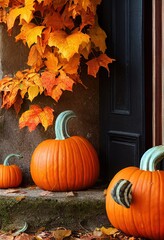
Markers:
(32, 92)
(24, 31)
(108, 231)
(33, 34)
(25, 14)
(68, 45)
(59, 234)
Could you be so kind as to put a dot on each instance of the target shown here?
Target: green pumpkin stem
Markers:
(6, 163)
(122, 193)
(151, 158)
(61, 124)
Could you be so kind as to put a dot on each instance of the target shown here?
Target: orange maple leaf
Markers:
(94, 64)
(4, 3)
(35, 59)
(56, 85)
(98, 37)
(35, 115)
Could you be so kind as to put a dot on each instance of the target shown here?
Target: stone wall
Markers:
(84, 102)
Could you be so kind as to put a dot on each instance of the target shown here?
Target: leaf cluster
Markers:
(60, 35)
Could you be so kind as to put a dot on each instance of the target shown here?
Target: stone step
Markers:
(39, 208)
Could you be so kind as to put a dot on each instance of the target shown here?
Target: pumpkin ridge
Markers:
(136, 224)
(49, 176)
(64, 165)
(156, 211)
(81, 157)
(73, 179)
(56, 180)
(146, 222)
(161, 205)
(92, 163)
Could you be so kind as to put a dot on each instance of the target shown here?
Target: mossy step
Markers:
(39, 208)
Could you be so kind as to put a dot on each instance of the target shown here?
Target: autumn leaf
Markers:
(59, 35)
(68, 45)
(56, 85)
(109, 231)
(98, 37)
(54, 20)
(94, 64)
(4, 3)
(71, 67)
(60, 234)
(51, 62)
(24, 32)
(25, 13)
(35, 58)
(33, 34)
(32, 92)
(35, 115)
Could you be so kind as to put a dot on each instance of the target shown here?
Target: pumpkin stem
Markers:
(151, 158)
(6, 163)
(122, 193)
(23, 229)
(61, 124)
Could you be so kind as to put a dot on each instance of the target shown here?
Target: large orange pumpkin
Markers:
(10, 175)
(65, 163)
(135, 198)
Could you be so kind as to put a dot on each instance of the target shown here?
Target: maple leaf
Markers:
(54, 20)
(56, 85)
(51, 61)
(68, 45)
(10, 90)
(48, 81)
(98, 37)
(33, 35)
(64, 82)
(4, 3)
(3, 15)
(35, 58)
(35, 115)
(59, 3)
(94, 64)
(24, 31)
(87, 19)
(25, 13)
(71, 67)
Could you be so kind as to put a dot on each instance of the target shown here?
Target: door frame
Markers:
(158, 72)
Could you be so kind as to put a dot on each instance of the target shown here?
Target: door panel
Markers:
(122, 94)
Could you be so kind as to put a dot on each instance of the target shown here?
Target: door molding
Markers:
(158, 72)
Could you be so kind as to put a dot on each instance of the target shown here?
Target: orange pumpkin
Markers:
(10, 175)
(135, 198)
(65, 163)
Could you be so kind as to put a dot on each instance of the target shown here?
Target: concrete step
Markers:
(39, 208)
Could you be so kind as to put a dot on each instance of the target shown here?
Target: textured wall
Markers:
(84, 102)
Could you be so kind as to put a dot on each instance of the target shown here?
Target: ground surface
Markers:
(55, 215)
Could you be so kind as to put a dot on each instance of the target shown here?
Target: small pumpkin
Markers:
(10, 175)
(135, 197)
(65, 163)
